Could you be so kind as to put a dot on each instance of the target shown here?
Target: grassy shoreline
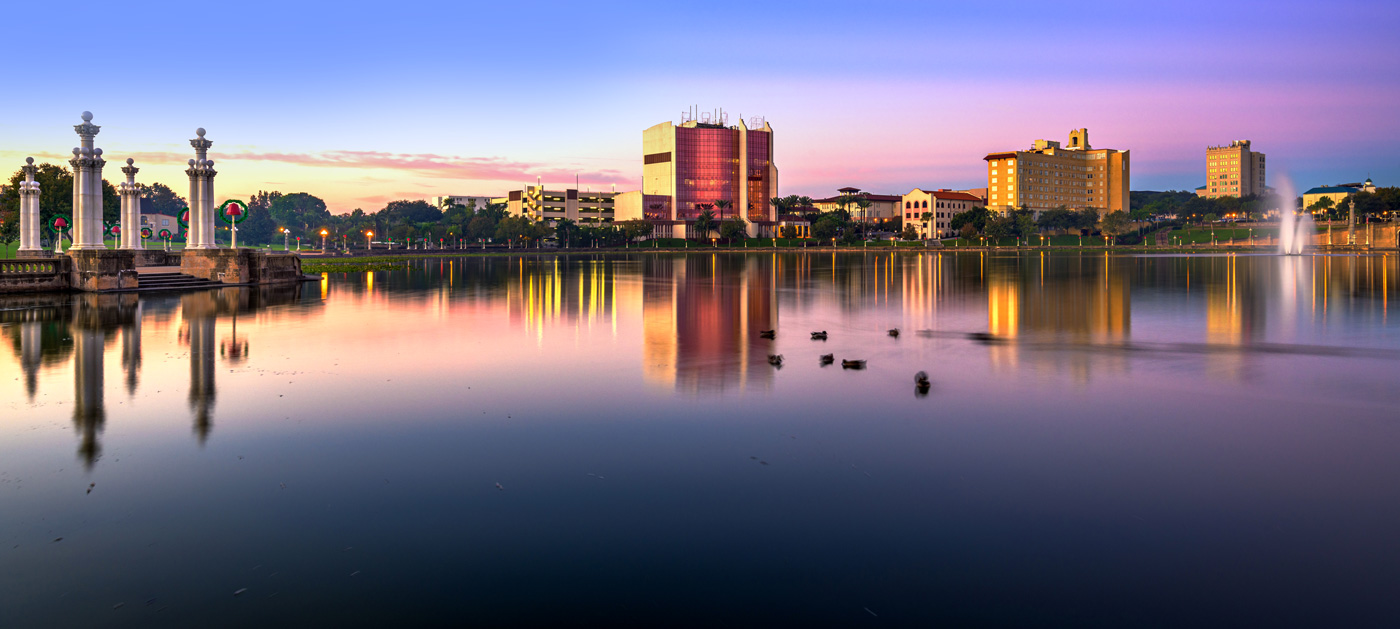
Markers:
(378, 263)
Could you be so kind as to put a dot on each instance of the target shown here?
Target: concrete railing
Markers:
(28, 267)
(35, 275)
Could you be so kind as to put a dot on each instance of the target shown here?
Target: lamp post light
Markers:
(323, 241)
(368, 236)
(298, 244)
(286, 240)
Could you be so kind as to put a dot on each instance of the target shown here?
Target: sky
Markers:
(365, 103)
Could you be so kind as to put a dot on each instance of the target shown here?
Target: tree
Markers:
(830, 225)
(1087, 218)
(723, 204)
(733, 229)
(1321, 205)
(9, 230)
(259, 227)
(926, 217)
(864, 205)
(977, 216)
(969, 230)
(166, 201)
(635, 229)
(513, 229)
(566, 230)
(704, 224)
(1000, 227)
(909, 233)
(481, 228)
(299, 211)
(410, 212)
(1115, 224)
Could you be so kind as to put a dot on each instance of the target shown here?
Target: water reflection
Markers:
(694, 320)
(577, 414)
(49, 332)
(701, 319)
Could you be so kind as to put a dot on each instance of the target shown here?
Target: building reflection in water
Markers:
(697, 317)
(1067, 302)
(49, 331)
(701, 316)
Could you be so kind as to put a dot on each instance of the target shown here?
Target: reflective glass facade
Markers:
(707, 170)
(760, 188)
(656, 207)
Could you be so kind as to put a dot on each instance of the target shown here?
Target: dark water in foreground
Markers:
(1156, 441)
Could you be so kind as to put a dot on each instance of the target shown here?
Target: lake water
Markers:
(1140, 440)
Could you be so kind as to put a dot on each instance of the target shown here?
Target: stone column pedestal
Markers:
(241, 266)
(103, 270)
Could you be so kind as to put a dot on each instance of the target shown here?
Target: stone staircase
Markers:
(173, 281)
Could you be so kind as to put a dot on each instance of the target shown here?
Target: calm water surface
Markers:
(1147, 441)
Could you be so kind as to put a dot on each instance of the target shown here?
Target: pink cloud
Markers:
(421, 164)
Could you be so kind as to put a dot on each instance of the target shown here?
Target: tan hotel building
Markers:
(1233, 171)
(1049, 175)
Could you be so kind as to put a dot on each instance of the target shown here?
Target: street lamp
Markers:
(323, 241)
(368, 235)
(286, 239)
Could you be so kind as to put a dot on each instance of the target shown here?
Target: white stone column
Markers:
(29, 208)
(131, 208)
(208, 199)
(201, 174)
(87, 187)
(196, 188)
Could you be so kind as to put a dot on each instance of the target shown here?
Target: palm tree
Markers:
(723, 205)
(927, 216)
(864, 205)
(565, 229)
(704, 223)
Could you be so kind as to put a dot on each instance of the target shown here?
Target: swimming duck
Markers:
(827, 359)
(921, 383)
(895, 332)
(819, 336)
(775, 360)
(853, 364)
(767, 334)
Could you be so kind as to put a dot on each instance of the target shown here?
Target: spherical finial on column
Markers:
(130, 161)
(199, 132)
(29, 160)
(191, 161)
(77, 151)
(97, 152)
(209, 163)
(87, 116)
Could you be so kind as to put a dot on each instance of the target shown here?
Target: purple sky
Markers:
(365, 104)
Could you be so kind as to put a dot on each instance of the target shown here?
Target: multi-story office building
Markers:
(1048, 176)
(706, 164)
(941, 204)
(539, 204)
(1233, 171)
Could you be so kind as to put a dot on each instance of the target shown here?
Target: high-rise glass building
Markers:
(707, 164)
